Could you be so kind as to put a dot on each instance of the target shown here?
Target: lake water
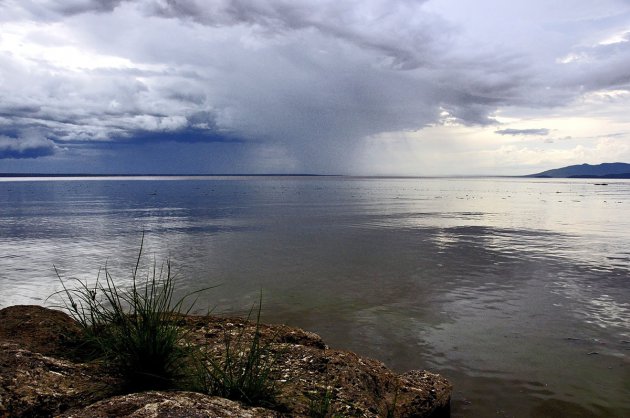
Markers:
(517, 290)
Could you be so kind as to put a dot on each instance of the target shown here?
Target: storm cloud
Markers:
(306, 82)
(26, 146)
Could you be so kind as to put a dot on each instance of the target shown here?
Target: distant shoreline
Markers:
(587, 171)
(585, 176)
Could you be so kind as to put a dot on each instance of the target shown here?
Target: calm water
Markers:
(518, 290)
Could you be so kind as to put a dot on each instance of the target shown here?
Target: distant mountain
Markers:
(606, 170)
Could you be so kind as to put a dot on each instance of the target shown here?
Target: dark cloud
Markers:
(189, 135)
(398, 30)
(51, 9)
(597, 67)
(71, 7)
(28, 145)
(18, 110)
(515, 132)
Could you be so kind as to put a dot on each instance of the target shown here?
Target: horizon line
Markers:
(18, 175)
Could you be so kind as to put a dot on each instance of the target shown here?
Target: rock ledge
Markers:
(40, 378)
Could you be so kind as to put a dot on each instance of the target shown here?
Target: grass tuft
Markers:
(242, 369)
(135, 329)
(140, 331)
(391, 407)
(320, 403)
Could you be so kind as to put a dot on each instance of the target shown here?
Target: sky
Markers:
(353, 87)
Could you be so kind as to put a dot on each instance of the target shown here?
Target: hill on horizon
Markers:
(605, 170)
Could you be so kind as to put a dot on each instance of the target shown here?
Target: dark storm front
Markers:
(515, 289)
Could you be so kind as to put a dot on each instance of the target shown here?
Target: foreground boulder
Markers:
(41, 375)
(34, 385)
(38, 376)
(169, 404)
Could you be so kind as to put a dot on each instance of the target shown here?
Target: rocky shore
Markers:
(41, 376)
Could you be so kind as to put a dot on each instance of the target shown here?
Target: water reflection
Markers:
(517, 290)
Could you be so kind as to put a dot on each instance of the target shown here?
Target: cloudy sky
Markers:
(377, 87)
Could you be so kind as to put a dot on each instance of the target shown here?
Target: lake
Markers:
(517, 290)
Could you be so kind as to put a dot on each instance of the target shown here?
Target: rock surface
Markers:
(34, 385)
(41, 376)
(38, 377)
(168, 404)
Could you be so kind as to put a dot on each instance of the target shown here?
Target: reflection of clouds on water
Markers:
(606, 311)
(443, 240)
(600, 309)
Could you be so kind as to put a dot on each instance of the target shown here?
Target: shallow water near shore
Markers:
(517, 290)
